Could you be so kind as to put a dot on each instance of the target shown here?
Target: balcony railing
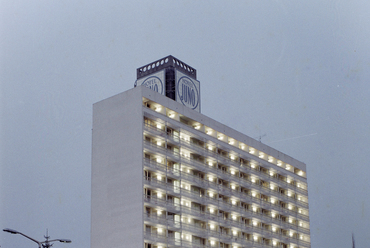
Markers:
(246, 182)
(227, 175)
(229, 222)
(240, 240)
(221, 203)
(196, 147)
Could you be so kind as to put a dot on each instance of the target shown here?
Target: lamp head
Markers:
(65, 240)
(10, 231)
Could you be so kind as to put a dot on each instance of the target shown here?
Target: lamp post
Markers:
(43, 244)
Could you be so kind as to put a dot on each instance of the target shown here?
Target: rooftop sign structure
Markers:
(172, 78)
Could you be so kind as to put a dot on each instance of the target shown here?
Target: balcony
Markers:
(202, 150)
(248, 183)
(226, 205)
(155, 201)
(202, 166)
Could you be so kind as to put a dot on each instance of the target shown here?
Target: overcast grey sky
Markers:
(297, 71)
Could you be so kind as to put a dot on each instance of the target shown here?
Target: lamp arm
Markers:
(34, 240)
(50, 241)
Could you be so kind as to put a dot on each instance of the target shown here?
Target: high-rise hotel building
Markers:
(165, 175)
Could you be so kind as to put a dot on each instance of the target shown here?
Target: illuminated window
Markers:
(209, 131)
(261, 155)
(158, 108)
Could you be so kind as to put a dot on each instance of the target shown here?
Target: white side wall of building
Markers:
(117, 191)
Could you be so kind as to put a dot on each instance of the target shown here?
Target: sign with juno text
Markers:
(154, 82)
(187, 91)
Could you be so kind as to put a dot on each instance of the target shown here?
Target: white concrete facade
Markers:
(164, 175)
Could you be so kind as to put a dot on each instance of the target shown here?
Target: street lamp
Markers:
(43, 244)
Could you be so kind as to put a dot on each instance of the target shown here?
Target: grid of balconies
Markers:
(221, 204)
(206, 184)
(226, 158)
(236, 176)
(241, 175)
(217, 228)
(247, 212)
